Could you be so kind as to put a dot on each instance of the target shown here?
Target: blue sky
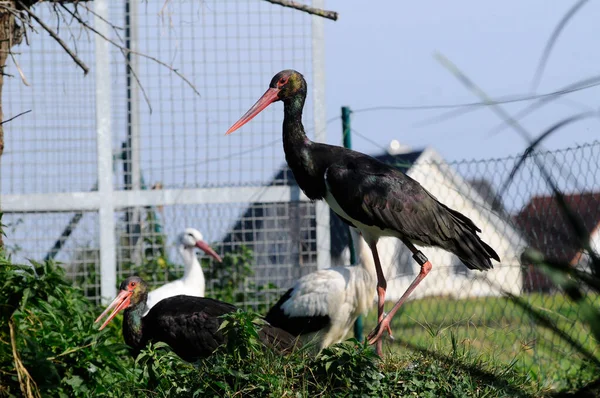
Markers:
(381, 53)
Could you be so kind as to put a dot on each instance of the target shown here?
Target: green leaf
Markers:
(74, 381)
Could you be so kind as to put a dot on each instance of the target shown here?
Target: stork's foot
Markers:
(376, 336)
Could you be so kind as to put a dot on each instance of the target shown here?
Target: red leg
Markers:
(384, 324)
(381, 287)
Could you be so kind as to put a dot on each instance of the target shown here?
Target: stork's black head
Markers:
(285, 85)
(288, 84)
(133, 292)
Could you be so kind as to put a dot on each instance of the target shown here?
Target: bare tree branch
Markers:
(94, 13)
(14, 117)
(23, 78)
(126, 50)
(303, 7)
(64, 45)
(133, 73)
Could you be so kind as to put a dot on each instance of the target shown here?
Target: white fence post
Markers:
(108, 255)
(320, 115)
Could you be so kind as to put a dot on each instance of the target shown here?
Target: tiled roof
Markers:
(547, 229)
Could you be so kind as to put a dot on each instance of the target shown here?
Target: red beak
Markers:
(270, 96)
(208, 250)
(121, 302)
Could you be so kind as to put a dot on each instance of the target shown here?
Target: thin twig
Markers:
(94, 13)
(133, 73)
(69, 351)
(130, 51)
(64, 45)
(115, 28)
(23, 78)
(139, 83)
(303, 7)
(14, 117)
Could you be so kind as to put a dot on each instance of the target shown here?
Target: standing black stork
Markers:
(189, 325)
(369, 195)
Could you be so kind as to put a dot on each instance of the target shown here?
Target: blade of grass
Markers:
(579, 85)
(534, 256)
(575, 221)
(476, 370)
(544, 321)
(538, 140)
(552, 40)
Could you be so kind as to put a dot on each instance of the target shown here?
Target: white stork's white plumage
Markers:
(192, 283)
(323, 305)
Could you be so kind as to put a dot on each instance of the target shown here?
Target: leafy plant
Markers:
(228, 279)
(351, 368)
(241, 329)
(54, 348)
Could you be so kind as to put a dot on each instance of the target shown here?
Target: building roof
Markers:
(547, 229)
(487, 192)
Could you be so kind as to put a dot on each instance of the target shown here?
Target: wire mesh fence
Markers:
(170, 153)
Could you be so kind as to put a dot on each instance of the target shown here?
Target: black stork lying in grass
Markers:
(189, 325)
(369, 195)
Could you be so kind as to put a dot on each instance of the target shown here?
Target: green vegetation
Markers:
(485, 347)
(501, 332)
(59, 352)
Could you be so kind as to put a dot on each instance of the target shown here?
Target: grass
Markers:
(501, 333)
(483, 347)
(58, 352)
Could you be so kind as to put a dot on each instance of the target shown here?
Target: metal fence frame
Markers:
(106, 200)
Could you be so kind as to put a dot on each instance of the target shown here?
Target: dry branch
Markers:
(26, 382)
(73, 56)
(126, 50)
(14, 117)
(308, 9)
(77, 17)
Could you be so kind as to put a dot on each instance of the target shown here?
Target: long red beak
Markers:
(208, 250)
(121, 302)
(270, 96)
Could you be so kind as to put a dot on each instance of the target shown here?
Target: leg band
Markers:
(420, 258)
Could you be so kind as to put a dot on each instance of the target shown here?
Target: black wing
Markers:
(189, 325)
(296, 325)
(379, 195)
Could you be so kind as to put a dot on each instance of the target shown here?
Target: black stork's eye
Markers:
(283, 81)
(132, 284)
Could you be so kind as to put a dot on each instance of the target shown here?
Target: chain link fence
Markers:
(171, 168)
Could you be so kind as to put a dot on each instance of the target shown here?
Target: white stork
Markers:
(192, 283)
(323, 305)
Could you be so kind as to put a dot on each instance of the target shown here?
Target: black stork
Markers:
(369, 195)
(189, 325)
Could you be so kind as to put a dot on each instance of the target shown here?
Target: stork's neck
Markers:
(132, 324)
(294, 137)
(193, 271)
